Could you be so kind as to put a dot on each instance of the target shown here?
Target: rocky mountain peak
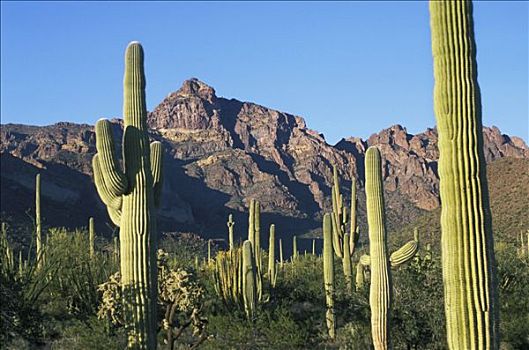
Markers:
(196, 88)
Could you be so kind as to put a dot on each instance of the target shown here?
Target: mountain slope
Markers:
(220, 153)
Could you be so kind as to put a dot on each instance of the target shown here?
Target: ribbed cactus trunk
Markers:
(380, 290)
(38, 222)
(347, 264)
(91, 237)
(328, 275)
(272, 256)
(130, 199)
(466, 240)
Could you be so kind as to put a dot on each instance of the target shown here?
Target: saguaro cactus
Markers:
(380, 290)
(131, 197)
(328, 275)
(91, 237)
(249, 282)
(295, 252)
(230, 224)
(466, 225)
(281, 262)
(344, 249)
(272, 256)
(38, 223)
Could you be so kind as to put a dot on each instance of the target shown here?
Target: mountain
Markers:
(221, 152)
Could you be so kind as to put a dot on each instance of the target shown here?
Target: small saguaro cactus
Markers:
(272, 275)
(91, 237)
(467, 245)
(380, 292)
(281, 262)
(132, 196)
(328, 275)
(340, 218)
(230, 224)
(249, 283)
(38, 223)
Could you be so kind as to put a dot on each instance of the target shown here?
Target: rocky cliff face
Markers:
(221, 152)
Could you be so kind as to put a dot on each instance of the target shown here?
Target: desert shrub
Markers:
(73, 290)
(513, 283)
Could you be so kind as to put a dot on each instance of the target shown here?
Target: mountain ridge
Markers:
(221, 152)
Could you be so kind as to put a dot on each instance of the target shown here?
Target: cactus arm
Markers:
(336, 237)
(113, 177)
(353, 225)
(365, 260)
(346, 262)
(404, 254)
(105, 194)
(328, 275)
(157, 170)
(115, 216)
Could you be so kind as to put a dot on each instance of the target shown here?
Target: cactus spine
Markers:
(230, 224)
(466, 225)
(91, 237)
(131, 197)
(38, 223)
(380, 291)
(328, 275)
(272, 256)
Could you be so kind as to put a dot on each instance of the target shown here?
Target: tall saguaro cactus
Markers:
(380, 290)
(131, 196)
(466, 225)
(328, 275)
(38, 222)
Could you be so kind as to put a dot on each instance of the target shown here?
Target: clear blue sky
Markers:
(348, 68)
